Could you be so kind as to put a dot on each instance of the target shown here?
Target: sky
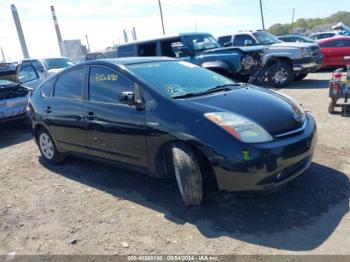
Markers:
(104, 20)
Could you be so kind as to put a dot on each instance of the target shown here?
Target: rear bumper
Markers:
(307, 65)
(267, 166)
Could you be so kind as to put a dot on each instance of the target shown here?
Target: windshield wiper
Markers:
(218, 88)
(224, 87)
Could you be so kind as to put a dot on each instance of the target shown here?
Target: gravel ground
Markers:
(82, 207)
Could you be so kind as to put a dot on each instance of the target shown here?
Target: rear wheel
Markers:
(331, 106)
(188, 174)
(48, 148)
(281, 74)
(299, 77)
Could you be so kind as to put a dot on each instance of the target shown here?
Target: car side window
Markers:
(70, 84)
(166, 47)
(106, 84)
(27, 73)
(224, 39)
(241, 40)
(126, 50)
(46, 87)
(38, 66)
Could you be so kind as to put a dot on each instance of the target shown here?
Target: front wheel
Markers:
(281, 74)
(188, 174)
(48, 148)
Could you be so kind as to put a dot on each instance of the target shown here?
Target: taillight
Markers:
(337, 76)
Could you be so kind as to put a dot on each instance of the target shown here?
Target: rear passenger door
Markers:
(63, 111)
(116, 131)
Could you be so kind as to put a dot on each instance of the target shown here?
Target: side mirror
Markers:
(248, 42)
(227, 44)
(21, 79)
(180, 50)
(126, 97)
(132, 98)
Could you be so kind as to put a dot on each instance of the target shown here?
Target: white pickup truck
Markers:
(295, 60)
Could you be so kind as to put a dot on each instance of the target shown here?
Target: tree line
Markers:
(282, 29)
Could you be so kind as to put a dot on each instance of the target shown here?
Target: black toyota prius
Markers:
(169, 118)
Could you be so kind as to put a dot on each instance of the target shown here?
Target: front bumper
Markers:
(14, 108)
(267, 166)
(307, 65)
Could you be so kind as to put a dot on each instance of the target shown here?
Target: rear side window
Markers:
(224, 39)
(126, 50)
(242, 40)
(147, 49)
(47, 87)
(106, 84)
(70, 85)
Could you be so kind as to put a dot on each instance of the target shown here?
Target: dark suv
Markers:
(198, 48)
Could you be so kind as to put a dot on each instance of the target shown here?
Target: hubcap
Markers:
(46, 146)
(280, 76)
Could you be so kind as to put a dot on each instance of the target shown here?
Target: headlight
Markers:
(240, 127)
(248, 61)
(306, 52)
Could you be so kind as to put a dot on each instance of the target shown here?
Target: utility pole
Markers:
(20, 31)
(291, 29)
(262, 15)
(87, 42)
(161, 16)
(2, 55)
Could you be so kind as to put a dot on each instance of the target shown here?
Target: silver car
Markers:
(16, 82)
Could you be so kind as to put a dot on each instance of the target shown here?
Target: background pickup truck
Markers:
(201, 49)
(295, 60)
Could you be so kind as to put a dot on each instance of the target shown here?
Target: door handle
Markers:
(48, 109)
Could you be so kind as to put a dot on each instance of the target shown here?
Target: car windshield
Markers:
(202, 42)
(6, 82)
(185, 78)
(52, 63)
(266, 38)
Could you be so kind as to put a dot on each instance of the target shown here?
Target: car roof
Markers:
(333, 39)
(161, 38)
(128, 60)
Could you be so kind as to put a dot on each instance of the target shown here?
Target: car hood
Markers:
(244, 49)
(272, 111)
(293, 45)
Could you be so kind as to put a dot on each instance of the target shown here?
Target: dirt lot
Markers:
(81, 207)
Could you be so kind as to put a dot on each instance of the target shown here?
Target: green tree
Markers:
(280, 29)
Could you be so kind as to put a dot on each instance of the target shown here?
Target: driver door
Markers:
(115, 131)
